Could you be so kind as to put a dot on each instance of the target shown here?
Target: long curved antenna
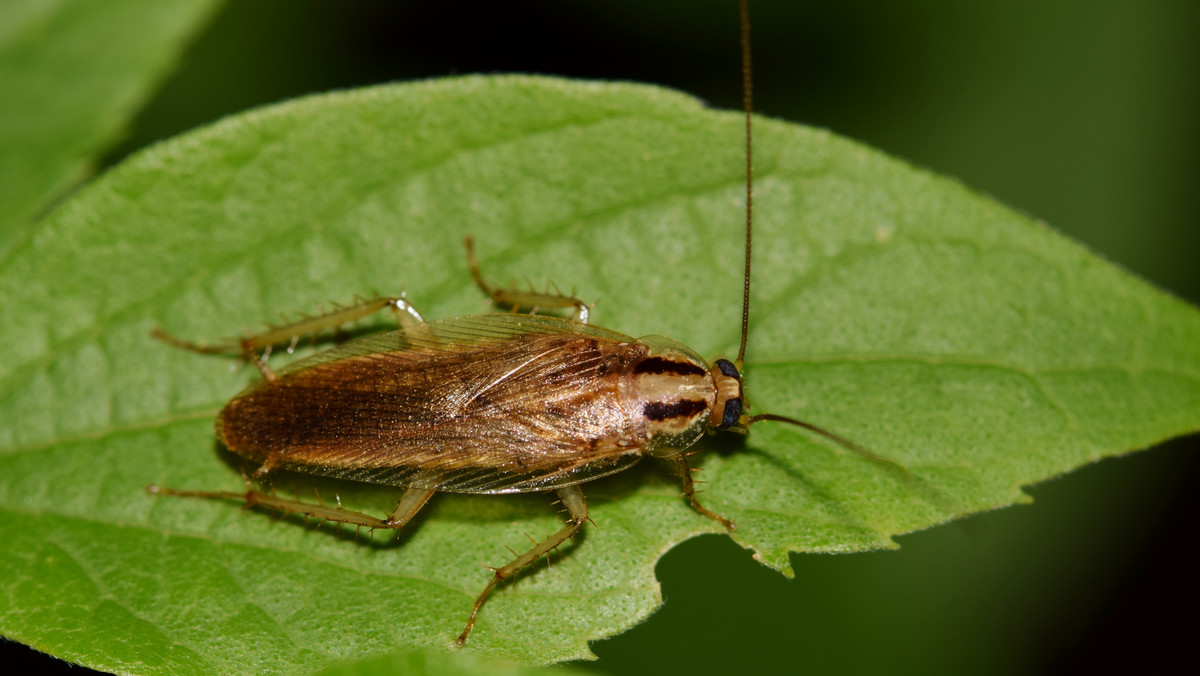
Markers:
(747, 103)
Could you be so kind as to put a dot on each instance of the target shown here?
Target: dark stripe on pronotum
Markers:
(685, 408)
(660, 366)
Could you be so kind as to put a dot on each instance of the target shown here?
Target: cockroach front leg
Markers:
(689, 491)
(410, 503)
(257, 348)
(516, 298)
(572, 497)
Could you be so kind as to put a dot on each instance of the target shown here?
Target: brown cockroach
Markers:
(499, 403)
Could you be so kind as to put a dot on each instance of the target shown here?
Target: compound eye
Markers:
(733, 411)
(727, 368)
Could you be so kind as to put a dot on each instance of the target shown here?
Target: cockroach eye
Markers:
(725, 366)
(733, 411)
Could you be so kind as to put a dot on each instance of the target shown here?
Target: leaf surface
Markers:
(73, 73)
(966, 342)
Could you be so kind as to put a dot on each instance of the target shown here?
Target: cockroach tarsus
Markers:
(501, 403)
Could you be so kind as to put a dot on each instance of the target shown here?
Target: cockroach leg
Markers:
(689, 491)
(259, 359)
(410, 503)
(516, 298)
(572, 497)
(406, 315)
(257, 348)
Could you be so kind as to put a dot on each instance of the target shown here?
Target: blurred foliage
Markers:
(69, 88)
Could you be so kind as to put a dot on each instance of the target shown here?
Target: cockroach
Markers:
(498, 403)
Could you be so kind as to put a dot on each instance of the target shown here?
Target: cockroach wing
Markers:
(483, 404)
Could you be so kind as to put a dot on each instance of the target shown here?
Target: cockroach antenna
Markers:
(745, 421)
(748, 105)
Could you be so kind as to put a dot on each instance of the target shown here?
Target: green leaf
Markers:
(966, 342)
(73, 72)
(438, 663)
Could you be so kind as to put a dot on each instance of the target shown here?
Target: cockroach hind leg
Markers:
(572, 497)
(515, 298)
(410, 503)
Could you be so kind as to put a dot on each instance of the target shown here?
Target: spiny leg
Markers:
(410, 503)
(249, 348)
(572, 498)
(517, 298)
(689, 491)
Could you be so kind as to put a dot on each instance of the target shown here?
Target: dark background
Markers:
(1081, 114)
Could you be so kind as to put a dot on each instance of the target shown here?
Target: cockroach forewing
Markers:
(482, 404)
